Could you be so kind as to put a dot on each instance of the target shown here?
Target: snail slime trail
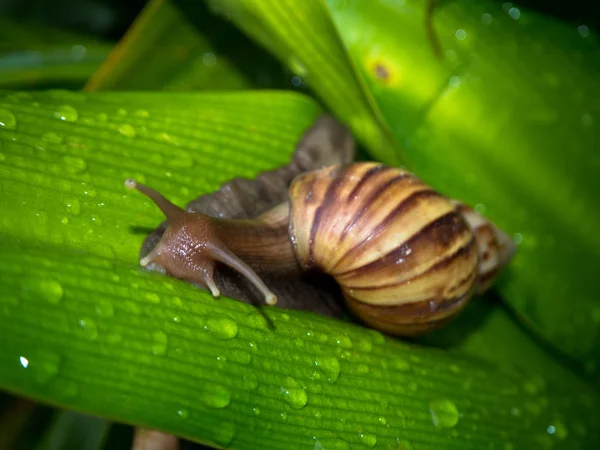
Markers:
(405, 258)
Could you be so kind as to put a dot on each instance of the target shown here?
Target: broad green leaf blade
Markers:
(84, 327)
(302, 35)
(513, 130)
(181, 46)
(34, 56)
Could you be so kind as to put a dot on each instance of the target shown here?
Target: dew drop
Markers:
(176, 319)
(183, 413)
(88, 327)
(460, 34)
(127, 130)
(41, 366)
(52, 138)
(240, 356)
(283, 416)
(293, 393)
(224, 433)
(141, 113)
(515, 13)
(152, 297)
(159, 344)
(222, 327)
(382, 420)
(444, 413)
(368, 439)
(365, 345)
(255, 320)
(249, 382)
(256, 411)
(64, 220)
(8, 120)
(216, 397)
(560, 430)
(73, 165)
(401, 365)
(73, 207)
(104, 308)
(344, 342)
(330, 366)
(33, 289)
(96, 220)
(66, 113)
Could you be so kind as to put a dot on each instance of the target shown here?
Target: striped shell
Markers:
(406, 260)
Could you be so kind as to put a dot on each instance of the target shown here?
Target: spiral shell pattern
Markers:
(405, 259)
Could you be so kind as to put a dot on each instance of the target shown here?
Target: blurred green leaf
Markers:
(73, 431)
(506, 119)
(302, 35)
(32, 56)
(84, 327)
(179, 45)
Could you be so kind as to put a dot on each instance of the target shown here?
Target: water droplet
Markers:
(583, 31)
(42, 366)
(249, 382)
(365, 345)
(8, 120)
(96, 220)
(224, 433)
(73, 164)
(209, 59)
(141, 113)
(330, 366)
(34, 289)
(183, 413)
(460, 34)
(152, 297)
(486, 18)
(382, 420)
(515, 13)
(560, 431)
(362, 368)
(52, 138)
(66, 113)
(255, 320)
(240, 356)
(283, 416)
(105, 308)
(176, 319)
(160, 341)
(64, 220)
(256, 411)
(344, 342)
(403, 444)
(216, 397)
(296, 80)
(368, 439)
(293, 393)
(222, 327)
(73, 206)
(127, 130)
(401, 365)
(88, 327)
(444, 413)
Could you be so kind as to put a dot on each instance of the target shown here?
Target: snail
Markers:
(406, 258)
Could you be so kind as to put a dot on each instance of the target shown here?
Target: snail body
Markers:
(407, 259)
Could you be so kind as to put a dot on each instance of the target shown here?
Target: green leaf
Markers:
(181, 46)
(32, 56)
(302, 35)
(504, 120)
(84, 327)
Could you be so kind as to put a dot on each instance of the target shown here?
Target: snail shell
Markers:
(405, 258)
